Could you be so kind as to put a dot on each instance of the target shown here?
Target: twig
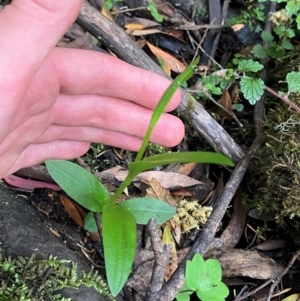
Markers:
(274, 280)
(219, 105)
(279, 277)
(161, 256)
(217, 38)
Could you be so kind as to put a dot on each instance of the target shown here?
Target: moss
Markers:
(29, 279)
(275, 172)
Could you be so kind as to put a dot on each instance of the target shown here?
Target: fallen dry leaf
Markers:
(167, 238)
(186, 169)
(237, 262)
(159, 192)
(235, 229)
(134, 26)
(72, 210)
(226, 102)
(168, 180)
(136, 20)
(167, 61)
(142, 32)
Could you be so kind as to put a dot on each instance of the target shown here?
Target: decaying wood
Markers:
(116, 39)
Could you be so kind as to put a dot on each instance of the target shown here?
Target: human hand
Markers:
(54, 101)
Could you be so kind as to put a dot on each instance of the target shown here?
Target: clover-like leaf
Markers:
(204, 277)
(194, 269)
(79, 184)
(143, 209)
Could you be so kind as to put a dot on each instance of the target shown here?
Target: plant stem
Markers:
(283, 98)
(122, 187)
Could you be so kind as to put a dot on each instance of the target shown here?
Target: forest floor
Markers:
(239, 102)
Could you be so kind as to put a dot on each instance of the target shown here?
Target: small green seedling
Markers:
(204, 278)
(119, 220)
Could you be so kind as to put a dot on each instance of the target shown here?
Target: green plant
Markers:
(119, 220)
(29, 279)
(204, 278)
(109, 4)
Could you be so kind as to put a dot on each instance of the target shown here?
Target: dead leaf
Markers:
(157, 191)
(176, 230)
(72, 210)
(167, 61)
(173, 261)
(237, 262)
(233, 232)
(226, 102)
(168, 180)
(134, 26)
(106, 13)
(186, 169)
(144, 32)
(262, 215)
(139, 23)
(269, 245)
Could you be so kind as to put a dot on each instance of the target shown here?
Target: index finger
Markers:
(90, 72)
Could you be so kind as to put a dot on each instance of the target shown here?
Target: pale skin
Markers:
(54, 102)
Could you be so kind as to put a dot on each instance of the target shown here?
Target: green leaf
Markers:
(143, 209)
(213, 292)
(238, 107)
(155, 14)
(252, 88)
(119, 243)
(183, 157)
(289, 33)
(204, 277)
(184, 294)
(292, 7)
(249, 66)
(276, 51)
(280, 31)
(193, 272)
(213, 268)
(267, 37)
(293, 81)
(298, 21)
(79, 184)
(259, 51)
(162, 104)
(109, 4)
(90, 223)
(286, 44)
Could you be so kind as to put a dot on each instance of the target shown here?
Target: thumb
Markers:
(29, 29)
